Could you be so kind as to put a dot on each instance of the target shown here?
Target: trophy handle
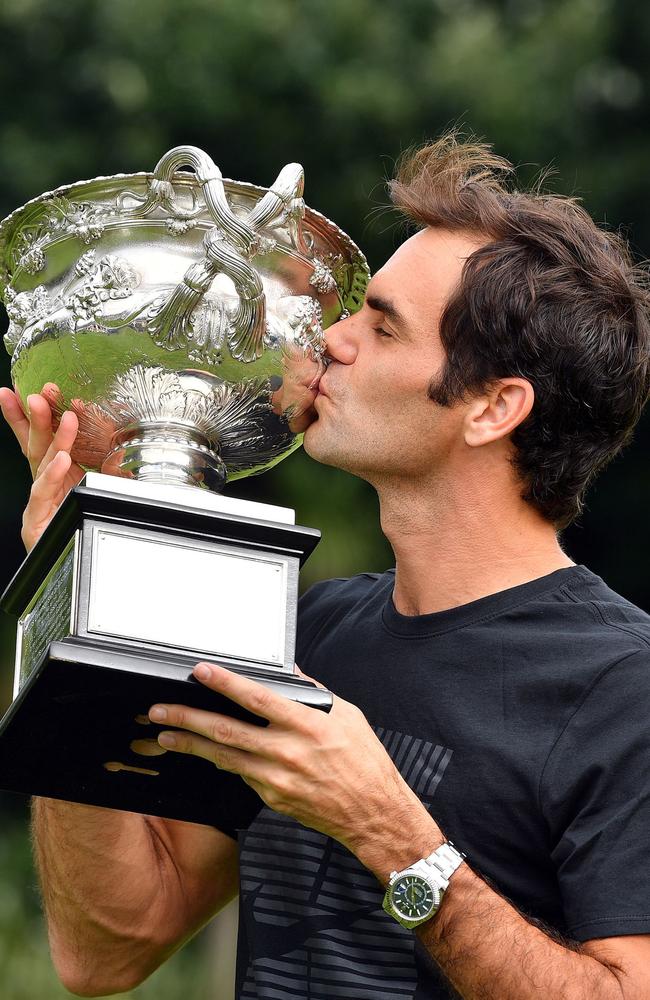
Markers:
(228, 246)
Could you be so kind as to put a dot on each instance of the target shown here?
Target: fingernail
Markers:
(158, 714)
(167, 740)
(202, 671)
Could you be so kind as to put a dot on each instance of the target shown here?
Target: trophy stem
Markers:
(166, 451)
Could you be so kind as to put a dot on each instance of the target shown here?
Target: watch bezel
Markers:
(391, 904)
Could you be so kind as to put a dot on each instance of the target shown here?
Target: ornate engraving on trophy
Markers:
(323, 276)
(110, 277)
(24, 309)
(84, 220)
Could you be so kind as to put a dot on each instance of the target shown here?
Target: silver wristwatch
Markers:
(415, 894)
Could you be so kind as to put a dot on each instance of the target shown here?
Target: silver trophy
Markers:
(181, 316)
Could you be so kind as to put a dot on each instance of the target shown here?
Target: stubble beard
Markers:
(342, 451)
(319, 445)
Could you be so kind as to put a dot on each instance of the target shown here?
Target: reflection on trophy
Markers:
(181, 317)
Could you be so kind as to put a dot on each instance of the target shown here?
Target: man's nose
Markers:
(341, 341)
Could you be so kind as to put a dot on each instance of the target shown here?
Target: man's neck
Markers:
(451, 548)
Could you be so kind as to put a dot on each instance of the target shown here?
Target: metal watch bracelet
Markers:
(446, 859)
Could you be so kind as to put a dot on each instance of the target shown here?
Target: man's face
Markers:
(374, 416)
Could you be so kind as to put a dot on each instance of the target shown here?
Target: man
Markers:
(489, 692)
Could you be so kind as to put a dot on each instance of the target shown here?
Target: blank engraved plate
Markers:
(47, 616)
(192, 595)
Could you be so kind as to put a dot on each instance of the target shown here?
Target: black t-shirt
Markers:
(522, 721)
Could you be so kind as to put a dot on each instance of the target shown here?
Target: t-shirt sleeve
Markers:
(595, 795)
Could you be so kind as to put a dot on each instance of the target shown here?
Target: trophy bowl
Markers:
(181, 317)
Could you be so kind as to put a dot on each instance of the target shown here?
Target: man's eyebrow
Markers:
(387, 308)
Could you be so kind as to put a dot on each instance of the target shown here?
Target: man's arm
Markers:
(489, 951)
(331, 773)
(122, 891)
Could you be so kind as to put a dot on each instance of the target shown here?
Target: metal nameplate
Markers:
(188, 594)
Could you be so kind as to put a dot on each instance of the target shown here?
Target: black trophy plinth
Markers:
(112, 605)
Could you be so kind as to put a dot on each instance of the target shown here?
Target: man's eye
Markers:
(382, 333)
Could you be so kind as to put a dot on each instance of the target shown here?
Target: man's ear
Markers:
(496, 412)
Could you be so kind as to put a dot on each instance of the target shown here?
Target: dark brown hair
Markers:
(551, 298)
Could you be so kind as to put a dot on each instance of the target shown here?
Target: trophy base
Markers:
(79, 731)
(129, 587)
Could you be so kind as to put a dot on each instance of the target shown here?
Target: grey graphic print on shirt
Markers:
(312, 913)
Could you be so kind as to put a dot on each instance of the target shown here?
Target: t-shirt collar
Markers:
(480, 610)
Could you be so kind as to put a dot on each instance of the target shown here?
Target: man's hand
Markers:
(48, 453)
(330, 772)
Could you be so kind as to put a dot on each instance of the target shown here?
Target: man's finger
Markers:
(251, 695)
(14, 414)
(63, 440)
(40, 430)
(225, 758)
(215, 727)
(47, 487)
(46, 495)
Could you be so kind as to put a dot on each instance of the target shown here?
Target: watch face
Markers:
(414, 898)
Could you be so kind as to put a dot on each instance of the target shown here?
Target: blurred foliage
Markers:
(104, 86)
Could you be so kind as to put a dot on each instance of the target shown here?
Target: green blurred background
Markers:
(343, 86)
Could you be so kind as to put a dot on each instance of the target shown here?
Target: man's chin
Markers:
(315, 443)
(320, 446)
(310, 441)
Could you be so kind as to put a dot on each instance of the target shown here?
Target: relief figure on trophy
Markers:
(180, 317)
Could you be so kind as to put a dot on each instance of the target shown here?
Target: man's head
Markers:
(511, 321)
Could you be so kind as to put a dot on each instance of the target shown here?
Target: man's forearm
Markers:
(489, 951)
(102, 884)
